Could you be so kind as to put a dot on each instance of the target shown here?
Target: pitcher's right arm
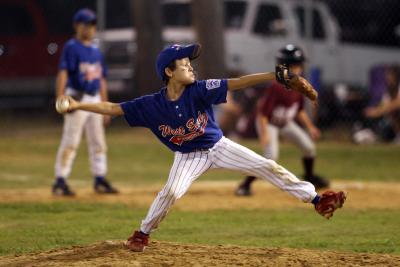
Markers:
(105, 108)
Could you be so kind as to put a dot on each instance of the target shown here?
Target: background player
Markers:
(390, 103)
(82, 76)
(181, 116)
(277, 112)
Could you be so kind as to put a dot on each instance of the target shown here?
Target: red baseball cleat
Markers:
(137, 242)
(329, 202)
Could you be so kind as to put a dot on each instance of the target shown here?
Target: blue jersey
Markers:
(85, 66)
(184, 125)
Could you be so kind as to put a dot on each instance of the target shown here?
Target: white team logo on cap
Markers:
(213, 83)
(176, 47)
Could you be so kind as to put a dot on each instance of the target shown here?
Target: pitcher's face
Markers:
(183, 72)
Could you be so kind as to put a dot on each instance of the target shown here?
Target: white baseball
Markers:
(62, 105)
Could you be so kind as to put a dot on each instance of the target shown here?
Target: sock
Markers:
(316, 200)
(143, 233)
(308, 165)
(60, 180)
(249, 179)
(99, 179)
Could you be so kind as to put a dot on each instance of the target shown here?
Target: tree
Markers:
(208, 22)
(147, 21)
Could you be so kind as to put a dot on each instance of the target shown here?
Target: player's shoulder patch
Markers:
(213, 83)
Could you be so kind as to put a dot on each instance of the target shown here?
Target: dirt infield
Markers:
(112, 253)
(204, 196)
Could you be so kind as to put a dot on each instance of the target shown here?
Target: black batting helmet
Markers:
(290, 54)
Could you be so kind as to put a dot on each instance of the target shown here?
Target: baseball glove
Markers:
(329, 202)
(295, 82)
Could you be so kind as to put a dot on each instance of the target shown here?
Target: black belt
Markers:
(91, 93)
(78, 95)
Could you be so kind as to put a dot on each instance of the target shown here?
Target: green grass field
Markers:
(36, 227)
(137, 158)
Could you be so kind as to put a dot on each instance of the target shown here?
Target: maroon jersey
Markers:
(280, 105)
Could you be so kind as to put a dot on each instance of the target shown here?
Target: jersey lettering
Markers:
(91, 71)
(167, 130)
(196, 128)
(282, 115)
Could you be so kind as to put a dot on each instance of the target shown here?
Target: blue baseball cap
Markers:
(174, 52)
(85, 15)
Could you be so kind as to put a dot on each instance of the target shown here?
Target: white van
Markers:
(254, 31)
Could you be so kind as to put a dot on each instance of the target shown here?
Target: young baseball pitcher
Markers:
(82, 77)
(277, 111)
(181, 116)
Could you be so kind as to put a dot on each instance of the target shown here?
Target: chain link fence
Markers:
(368, 46)
(352, 49)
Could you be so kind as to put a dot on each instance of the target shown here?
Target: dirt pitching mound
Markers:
(112, 253)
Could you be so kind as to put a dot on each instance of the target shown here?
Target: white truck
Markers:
(254, 31)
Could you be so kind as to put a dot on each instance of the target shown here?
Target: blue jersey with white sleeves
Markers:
(85, 66)
(184, 125)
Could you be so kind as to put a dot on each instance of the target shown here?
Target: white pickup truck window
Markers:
(269, 21)
(234, 13)
(318, 29)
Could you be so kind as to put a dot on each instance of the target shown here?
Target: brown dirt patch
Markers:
(206, 195)
(112, 253)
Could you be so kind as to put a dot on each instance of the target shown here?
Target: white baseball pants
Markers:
(293, 133)
(74, 124)
(226, 154)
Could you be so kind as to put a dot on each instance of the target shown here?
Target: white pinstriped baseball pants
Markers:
(226, 154)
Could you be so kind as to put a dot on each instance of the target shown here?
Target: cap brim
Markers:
(90, 22)
(191, 51)
(86, 21)
(93, 22)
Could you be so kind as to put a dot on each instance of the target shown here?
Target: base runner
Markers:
(181, 116)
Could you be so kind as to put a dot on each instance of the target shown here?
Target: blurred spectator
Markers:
(390, 104)
(236, 117)
(228, 115)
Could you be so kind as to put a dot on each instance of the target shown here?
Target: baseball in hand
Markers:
(62, 105)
